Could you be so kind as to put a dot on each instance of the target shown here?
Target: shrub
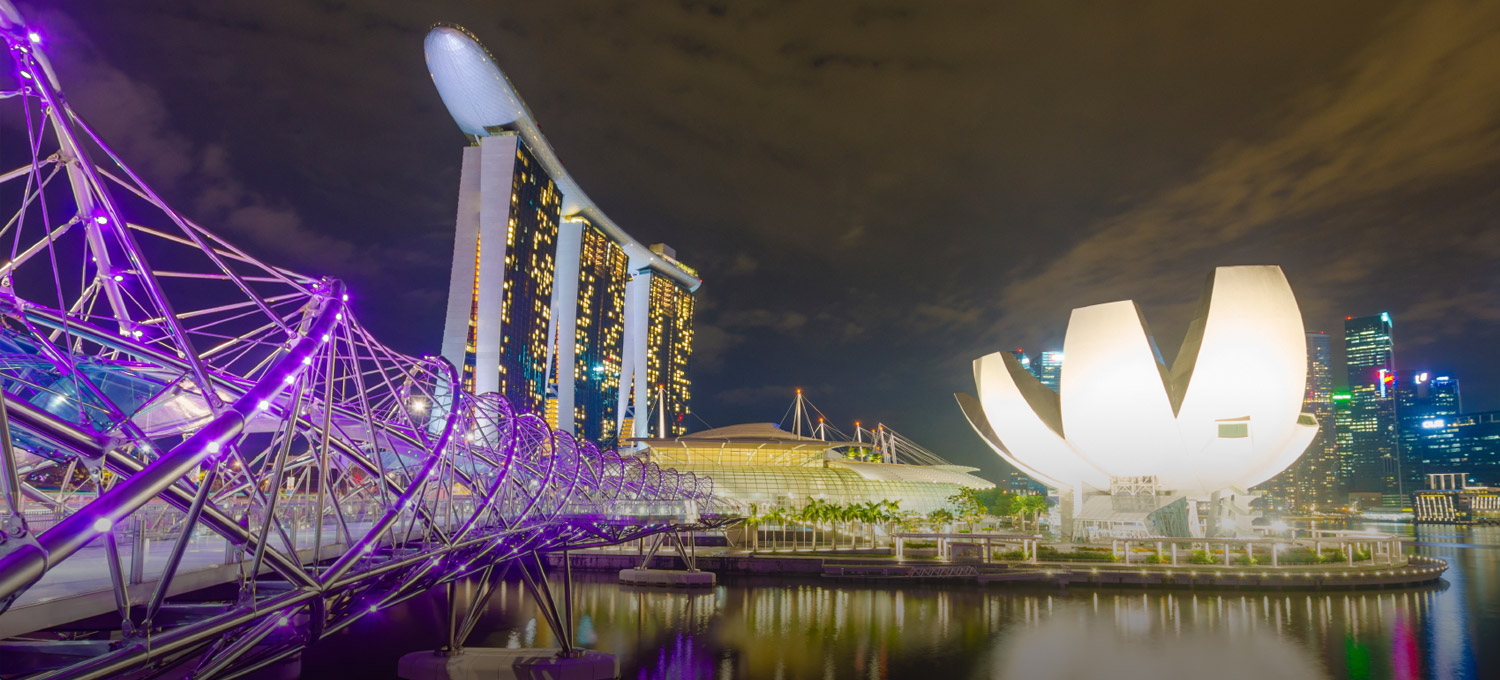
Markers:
(1201, 557)
(920, 545)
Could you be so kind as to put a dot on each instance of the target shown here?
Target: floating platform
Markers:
(489, 663)
(667, 578)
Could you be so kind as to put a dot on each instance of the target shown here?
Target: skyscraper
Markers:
(551, 303)
(1021, 357)
(669, 343)
(1048, 368)
(1428, 408)
(599, 335)
(1375, 459)
(506, 241)
(1312, 482)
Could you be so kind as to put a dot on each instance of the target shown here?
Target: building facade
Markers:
(1427, 409)
(669, 346)
(506, 242)
(599, 335)
(1374, 458)
(1048, 369)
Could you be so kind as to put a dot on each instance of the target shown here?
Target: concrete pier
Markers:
(669, 578)
(489, 663)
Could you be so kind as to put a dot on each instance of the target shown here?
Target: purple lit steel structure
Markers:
(153, 368)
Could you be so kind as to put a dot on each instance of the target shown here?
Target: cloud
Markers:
(1414, 110)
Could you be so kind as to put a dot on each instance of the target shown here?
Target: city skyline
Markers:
(806, 255)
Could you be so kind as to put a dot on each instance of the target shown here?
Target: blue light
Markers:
(1433, 423)
(1385, 317)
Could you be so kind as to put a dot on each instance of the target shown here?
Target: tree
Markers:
(996, 502)
(753, 521)
(1032, 505)
(966, 505)
(940, 516)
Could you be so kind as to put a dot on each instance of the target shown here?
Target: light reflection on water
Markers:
(758, 628)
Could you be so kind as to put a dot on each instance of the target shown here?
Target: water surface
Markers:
(758, 628)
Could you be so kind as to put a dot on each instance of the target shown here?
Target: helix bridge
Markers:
(210, 464)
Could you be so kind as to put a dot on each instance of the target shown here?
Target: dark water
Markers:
(814, 629)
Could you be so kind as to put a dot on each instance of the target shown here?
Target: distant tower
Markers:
(500, 291)
(1021, 357)
(1431, 438)
(1048, 369)
(1375, 453)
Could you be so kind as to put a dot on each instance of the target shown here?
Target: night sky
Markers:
(876, 193)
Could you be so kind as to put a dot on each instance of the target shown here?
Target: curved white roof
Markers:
(480, 98)
(1227, 414)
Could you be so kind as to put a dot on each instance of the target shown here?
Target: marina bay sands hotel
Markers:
(551, 303)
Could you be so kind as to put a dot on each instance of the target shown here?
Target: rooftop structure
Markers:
(764, 465)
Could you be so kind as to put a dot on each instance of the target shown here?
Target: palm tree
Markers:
(753, 521)
(777, 516)
(807, 515)
(1031, 505)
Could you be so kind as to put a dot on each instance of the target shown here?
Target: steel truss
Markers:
(161, 384)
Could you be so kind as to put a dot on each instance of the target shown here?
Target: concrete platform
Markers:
(668, 578)
(489, 663)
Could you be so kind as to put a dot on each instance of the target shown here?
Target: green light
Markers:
(1341, 396)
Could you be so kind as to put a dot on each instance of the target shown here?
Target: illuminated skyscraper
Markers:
(669, 344)
(506, 243)
(599, 333)
(1375, 459)
(1048, 368)
(1312, 482)
(551, 302)
(1021, 357)
(1428, 408)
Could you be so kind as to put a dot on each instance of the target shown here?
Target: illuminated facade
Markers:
(669, 345)
(551, 303)
(505, 243)
(1048, 369)
(762, 465)
(1227, 415)
(1312, 482)
(1428, 409)
(599, 337)
(1374, 456)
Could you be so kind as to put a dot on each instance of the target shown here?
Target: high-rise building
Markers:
(506, 242)
(1048, 368)
(1428, 408)
(1021, 357)
(551, 303)
(669, 342)
(1374, 456)
(599, 336)
(1479, 437)
(1343, 436)
(1312, 482)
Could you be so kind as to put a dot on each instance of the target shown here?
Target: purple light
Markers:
(34, 37)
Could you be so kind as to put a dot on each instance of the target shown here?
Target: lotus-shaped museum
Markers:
(1226, 415)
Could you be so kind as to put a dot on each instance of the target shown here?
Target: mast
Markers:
(661, 411)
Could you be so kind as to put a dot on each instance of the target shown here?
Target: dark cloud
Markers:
(876, 192)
